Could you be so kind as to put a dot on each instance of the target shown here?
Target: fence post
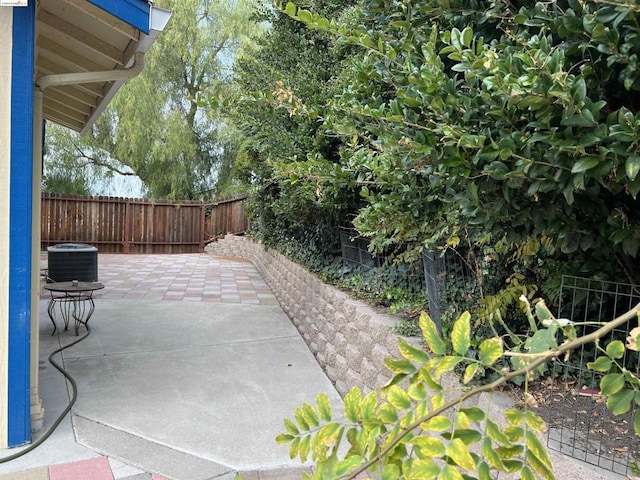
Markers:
(202, 220)
(127, 230)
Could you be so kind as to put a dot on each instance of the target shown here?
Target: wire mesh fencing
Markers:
(453, 281)
(580, 425)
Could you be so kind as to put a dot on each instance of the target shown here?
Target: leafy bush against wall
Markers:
(511, 125)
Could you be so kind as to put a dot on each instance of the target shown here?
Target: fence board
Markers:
(126, 225)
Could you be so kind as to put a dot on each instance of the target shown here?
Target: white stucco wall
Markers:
(6, 22)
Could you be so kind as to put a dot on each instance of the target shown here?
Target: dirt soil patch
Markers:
(580, 423)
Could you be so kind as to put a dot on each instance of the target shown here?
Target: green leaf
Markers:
(439, 423)
(305, 448)
(284, 438)
(467, 435)
(612, 383)
(324, 407)
(290, 427)
(412, 353)
(417, 391)
(527, 474)
(294, 448)
(449, 472)
(620, 402)
(632, 166)
(543, 312)
(390, 472)
(484, 471)
(431, 335)
(475, 414)
(398, 397)
(348, 464)
(585, 164)
(461, 334)
(636, 422)
(467, 36)
(290, 9)
(304, 16)
(615, 349)
(602, 364)
(459, 453)
(490, 351)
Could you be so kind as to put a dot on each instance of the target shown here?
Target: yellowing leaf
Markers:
(324, 407)
(513, 416)
(459, 453)
(412, 353)
(470, 372)
(534, 446)
(420, 469)
(283, 439)
(461, 334)
(430, 447)
(387, 413)
(291, 427)
(535, 422)
(431, 335)
(368, 406)
(398, 397)
(490, 351)
(352, 404)
(490, 455)
(328, 434)
(439, 423)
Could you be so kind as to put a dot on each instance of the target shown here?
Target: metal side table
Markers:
(72, 299)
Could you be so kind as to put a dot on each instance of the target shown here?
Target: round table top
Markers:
(73, 286)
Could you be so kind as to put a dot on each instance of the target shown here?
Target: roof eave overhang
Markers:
(85, 52)
(158, 19)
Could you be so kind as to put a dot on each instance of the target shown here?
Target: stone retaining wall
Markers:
(349, 338)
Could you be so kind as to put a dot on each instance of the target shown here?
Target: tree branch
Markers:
(544, 358)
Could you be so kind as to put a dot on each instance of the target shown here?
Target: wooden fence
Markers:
(126, 225)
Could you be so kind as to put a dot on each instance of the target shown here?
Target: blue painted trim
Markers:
(134, 12)
(20, 210)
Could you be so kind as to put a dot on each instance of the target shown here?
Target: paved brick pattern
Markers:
(189, 278)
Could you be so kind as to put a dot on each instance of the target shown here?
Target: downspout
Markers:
(56, 80)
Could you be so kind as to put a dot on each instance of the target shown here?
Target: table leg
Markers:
(50, 310)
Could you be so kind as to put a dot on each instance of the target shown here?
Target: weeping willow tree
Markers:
(156, 127)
